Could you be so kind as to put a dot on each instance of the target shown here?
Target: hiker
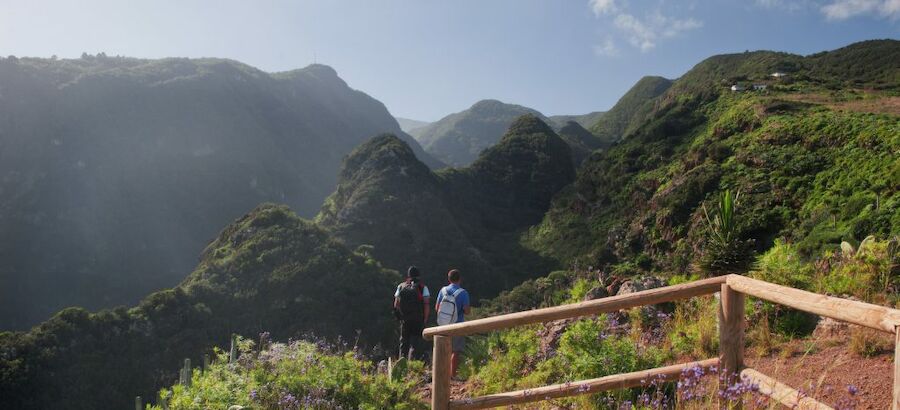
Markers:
(411, 304)
(451, 307)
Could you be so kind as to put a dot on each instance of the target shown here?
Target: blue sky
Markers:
(425, 59)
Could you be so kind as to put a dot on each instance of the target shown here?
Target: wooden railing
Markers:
(732, 289)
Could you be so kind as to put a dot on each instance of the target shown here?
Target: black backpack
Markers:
(412, 302)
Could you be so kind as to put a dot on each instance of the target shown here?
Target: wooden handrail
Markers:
(860, 313)
(591, 386)
(731, 319)
(781, 392)
(591, 307)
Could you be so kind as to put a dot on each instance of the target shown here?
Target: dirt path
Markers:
(827, 374)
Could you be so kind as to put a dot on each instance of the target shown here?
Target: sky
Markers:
(425, 59)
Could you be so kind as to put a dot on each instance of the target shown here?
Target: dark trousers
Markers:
(411, 339)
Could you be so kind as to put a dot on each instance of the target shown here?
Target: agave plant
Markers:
(725, 251)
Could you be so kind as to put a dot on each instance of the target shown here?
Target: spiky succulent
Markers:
(725, 251)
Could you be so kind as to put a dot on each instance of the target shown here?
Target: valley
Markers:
(535, 212)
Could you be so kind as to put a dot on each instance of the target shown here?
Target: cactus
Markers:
(864, 244)
(187, 373)
(847, 250)
(232, 355)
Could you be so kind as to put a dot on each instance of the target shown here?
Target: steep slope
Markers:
(117, 171)
(268, 271)
(467, 218)
(809, 173)
(615, 123)
(407, 125)
(459, 138)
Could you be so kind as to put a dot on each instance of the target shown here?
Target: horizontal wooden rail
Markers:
(591, 307)
(731, 324)
(617, 381)
(781, 392)
(863, 314)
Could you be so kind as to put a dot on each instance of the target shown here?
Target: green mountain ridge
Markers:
(584, 120)
(459, 138)
(795, 162)
(616, 122)
(117, 171)
(464, 218)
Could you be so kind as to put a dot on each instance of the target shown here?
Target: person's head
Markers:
(453, 276)
(413, 273)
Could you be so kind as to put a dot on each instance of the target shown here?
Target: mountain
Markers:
(813, 156)
(407, 125)
(459, 138)
(585, 120)
(616, 122)
(581, 141)
(117, 171)
(466, 218)
(267, 271)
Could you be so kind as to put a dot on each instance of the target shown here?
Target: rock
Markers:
(596, 292)
(613, 288)
(549, 336)
(828, 327)
(640, 283)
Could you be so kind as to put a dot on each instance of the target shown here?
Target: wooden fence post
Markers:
(205, 362)
(440, 373)
(731, 340)
(896, 403)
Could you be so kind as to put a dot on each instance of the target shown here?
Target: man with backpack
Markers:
(451, 307)
(411, 301)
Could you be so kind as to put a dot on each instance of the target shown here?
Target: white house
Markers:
(760, 87)
(738, 88)
(778, 74)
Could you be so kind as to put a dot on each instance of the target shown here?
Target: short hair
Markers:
(453, 275)
(412, 272)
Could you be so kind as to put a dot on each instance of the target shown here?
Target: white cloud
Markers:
(644, 33)
(835, 10)
(601, 7)
(844, 9)
(607, 48)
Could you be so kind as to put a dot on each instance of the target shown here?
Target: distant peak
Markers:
(529, 124)
(320, 69)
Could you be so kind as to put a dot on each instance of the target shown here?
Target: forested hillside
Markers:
(467, 218)
(815, 164)
(117, 171)
(268, 271)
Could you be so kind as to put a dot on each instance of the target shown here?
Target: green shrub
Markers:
(783, 264)
(294, 376)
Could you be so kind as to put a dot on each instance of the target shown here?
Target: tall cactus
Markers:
(187, 373)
